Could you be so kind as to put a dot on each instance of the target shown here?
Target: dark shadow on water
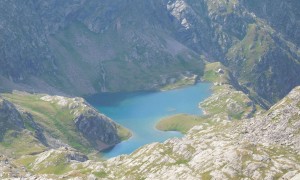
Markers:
(112, 99)
(107, 149)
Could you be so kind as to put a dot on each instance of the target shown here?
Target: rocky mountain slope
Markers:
(35, 123)
(96, 50)
(286, 23)
(83, 47)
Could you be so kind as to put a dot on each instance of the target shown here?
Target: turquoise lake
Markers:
(140, 111)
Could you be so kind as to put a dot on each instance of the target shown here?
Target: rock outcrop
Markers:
(96, 128)
(10, 118)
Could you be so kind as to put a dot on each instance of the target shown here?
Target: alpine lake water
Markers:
(140, 111)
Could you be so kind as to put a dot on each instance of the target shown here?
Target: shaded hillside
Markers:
(83, 47)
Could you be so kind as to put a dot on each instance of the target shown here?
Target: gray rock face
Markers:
(75, 156)
(10, 118)
(98, 129)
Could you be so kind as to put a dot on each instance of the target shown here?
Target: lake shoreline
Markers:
(140, 111)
